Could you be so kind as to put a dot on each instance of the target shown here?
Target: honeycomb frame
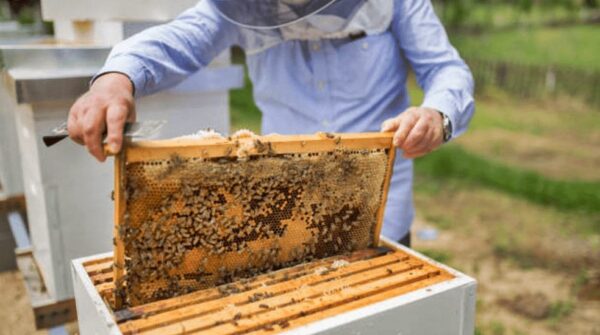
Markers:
(152, 275)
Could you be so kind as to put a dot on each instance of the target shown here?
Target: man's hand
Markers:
(418, 131)
(104, 108)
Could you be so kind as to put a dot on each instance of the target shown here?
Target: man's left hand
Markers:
(418, 131)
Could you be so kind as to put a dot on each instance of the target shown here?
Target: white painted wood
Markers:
(443, 308)
(114, 10)
(40, 229)
(92, 314)
(99, 33)
(10, 161)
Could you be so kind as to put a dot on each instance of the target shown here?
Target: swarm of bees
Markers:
(193, 223)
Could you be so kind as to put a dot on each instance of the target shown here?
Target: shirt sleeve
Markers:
(162, 56)
(441, 73)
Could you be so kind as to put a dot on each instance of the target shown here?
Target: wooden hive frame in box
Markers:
(385, 290)
(191, 214)
(379, 287)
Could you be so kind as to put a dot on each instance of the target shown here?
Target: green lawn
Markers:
(504, 14)
(244, 113)
(454, 162)
(576, 46)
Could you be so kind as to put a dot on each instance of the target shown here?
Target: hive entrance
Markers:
(193, 214)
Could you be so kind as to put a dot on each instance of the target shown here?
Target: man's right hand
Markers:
(105, 108)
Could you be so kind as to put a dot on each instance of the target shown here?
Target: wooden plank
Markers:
(213, 148)
(119, 247)
(105, 288)
(47, 311)
(279, 317)
(99, 268)
(317, 283)
(260, 281)
(386, 188)
(104, 277)
(101, 262)
(302, 299)
(282, 287)
(55, 314)
(355, 304)
(13, 203)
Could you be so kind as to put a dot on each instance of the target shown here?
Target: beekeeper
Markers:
(316, 65)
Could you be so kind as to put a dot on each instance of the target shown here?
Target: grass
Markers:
(502, 15)
(497, 328)
(244, 113)
(506, 246)
(508, 227)
(555, 137)
(454, 162)
(560, 310)
(575, 46)
(582, 279)
(544, 117)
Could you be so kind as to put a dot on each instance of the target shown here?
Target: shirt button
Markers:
(316, 46)
(365, 45)
(325, 123)
(321, 85)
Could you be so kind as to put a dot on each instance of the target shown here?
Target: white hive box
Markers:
(414, 305)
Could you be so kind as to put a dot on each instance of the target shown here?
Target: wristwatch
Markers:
(446, 126)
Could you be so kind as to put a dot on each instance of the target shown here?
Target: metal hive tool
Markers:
(192, 214)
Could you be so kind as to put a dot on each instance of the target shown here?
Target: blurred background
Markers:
(515, 202)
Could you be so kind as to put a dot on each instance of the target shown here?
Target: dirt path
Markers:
(513, 300)
(16, 316)
(564, 159)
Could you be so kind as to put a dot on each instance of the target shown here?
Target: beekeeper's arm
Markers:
(440, 71)
(153, 60)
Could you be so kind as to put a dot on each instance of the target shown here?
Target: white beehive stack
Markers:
(68, 193)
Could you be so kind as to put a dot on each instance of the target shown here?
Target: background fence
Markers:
(527, 81)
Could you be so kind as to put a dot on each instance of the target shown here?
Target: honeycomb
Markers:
(191, 222)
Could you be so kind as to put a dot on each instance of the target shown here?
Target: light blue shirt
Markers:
(340, 85)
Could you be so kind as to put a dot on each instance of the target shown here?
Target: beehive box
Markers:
(250, 234)
(390, 290)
